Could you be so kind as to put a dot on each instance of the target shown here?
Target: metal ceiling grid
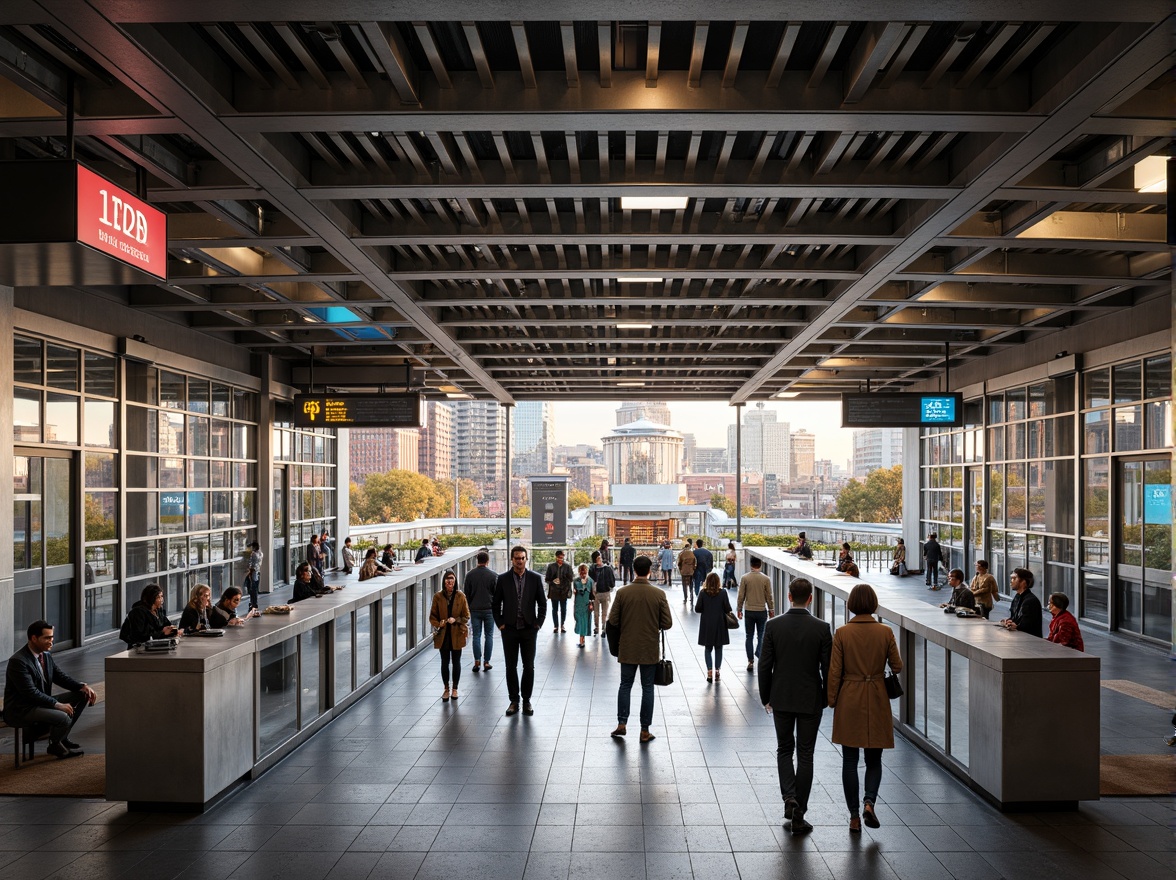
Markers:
(859, 192)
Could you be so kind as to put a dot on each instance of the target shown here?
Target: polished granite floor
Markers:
(405, 786)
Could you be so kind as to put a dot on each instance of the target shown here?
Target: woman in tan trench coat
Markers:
(450, 617)
(857, 694)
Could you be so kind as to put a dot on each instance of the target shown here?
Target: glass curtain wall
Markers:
(309, 456)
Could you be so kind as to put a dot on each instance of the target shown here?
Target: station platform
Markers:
(405, 786)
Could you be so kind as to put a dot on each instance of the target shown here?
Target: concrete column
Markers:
(739, 471)
(7, 623)
(508, 476)
(911, 496)
(343, 491)
(1172, 331)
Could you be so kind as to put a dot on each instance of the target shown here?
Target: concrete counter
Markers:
(986, 703)
(217, 710)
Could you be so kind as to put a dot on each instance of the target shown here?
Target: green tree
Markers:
(877, 499)
(400, 496)
(522, 510)
(578, 498)
(721, 502)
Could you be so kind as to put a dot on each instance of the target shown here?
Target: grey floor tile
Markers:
(397, 865)
(771, 866)
(286, 866)
(548, 866)
(608, 839)
(494, 866)
(414, 838)
(607, 864)
(665, 838)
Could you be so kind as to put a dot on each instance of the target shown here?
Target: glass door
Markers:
(44, 564)
(974, 497)
(1143, 551)
(278, 555)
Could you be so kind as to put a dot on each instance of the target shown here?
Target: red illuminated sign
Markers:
(117, 223)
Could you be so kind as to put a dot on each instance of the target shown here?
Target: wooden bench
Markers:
(24, 740)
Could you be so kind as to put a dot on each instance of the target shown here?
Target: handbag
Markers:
(893, 686)
(663, 672)
(732, 620)
(612, 634)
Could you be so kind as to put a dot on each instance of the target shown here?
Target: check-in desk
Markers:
(1013, 715)
(217, 710)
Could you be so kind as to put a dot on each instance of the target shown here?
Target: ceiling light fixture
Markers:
(630, 384)
(1151, 174)
(631, 326)
(654, 203)
(787, 395)
(639, 279)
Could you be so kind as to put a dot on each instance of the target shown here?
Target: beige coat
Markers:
(862, 715)
(686, 563)
(755, 592)
(642, 612)
(984, 590)
(438, 616)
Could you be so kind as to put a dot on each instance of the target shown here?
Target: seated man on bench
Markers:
(28, 684)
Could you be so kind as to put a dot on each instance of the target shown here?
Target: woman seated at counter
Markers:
(388, 559)
(845, 557)
(309, 584)
(146, 619)
(195, 616)
(224, 612)
(371, 566)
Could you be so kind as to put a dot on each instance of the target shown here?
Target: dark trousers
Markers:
(687, 586)
(58, 722)
(515, 642)
(483, 622)
(624, 693)
(932, 571)
(699, 577)
(626, 573)
(753, 624)
(250, 585)
(446, 655)
(559, 612)
(796, 783)
(849, 776)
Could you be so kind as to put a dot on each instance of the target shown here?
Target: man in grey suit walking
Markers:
(794, 668)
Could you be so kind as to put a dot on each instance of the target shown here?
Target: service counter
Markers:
(1015, 716)
(217, 710)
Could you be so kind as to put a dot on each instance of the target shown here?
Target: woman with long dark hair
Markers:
(450, 617)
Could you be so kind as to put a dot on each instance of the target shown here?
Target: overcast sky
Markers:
(581, 422)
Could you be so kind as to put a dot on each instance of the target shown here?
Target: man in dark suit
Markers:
(519, 611)
(30, 678)
(704, 564)
(794, 668)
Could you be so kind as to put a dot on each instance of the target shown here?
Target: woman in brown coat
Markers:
(862, 718)
(450, 617)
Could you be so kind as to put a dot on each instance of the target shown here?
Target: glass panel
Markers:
(1128, 428)
(1015, 496)
(1157, 373)
(1157, 611)
(936, 667)
(996, 494)
(389, 615)
(171, 390)
(218, 442)
(142, 514)
(1037, 495)
(142, 429)
(61, 419)
(243, 445)
(171, 513)
(1096, 388)
(198, 551)
(218, 475)
(243, 508)
(363, 644)
(197, 511)
(143, 557)
(58, 535)
(915, 663)
(61, 367)
(198, 474)
(27, 360)
(221, 514)
(1129, 604)
(1157, 515)
(101, 375)
(1095, 580)
(99, 610)
(996, 413)
(403, 602)
(1037, 401)
(222, 400)
(60, 604)
(277, 704)
(1015, 400)
(1059, 395)
(101, 516)
(142, 383)
(1059, 496)
(171, 473)
(26, 415)
(1159, 425)
(244, 405)
(1095, 488)
(1128, 382)
(100, 428)
(343, 654)
(311, 673)
(996, 449)
(1016, 438)
(171, 433)
(960, 670)
(198, 396)
(197, 436)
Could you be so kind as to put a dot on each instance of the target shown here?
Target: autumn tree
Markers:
(578, 498)
(877, 499)
(721, 502)
(399, 496)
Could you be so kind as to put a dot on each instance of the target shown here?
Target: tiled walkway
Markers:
(404, 786)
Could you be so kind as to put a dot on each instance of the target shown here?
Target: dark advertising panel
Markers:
(357, 411)
(902, 410)
(549, 511)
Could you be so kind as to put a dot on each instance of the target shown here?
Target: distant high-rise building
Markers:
(479, 445)
(875, 448)
(766, 444)
(579, 452)
(436, 450)
(804, 453)
(654, 411)
(643, 452)
(532, 436)
(379, 450)
(689, 444)
(710, 460)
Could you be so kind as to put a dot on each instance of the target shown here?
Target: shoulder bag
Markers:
(663, 672)
(732, 620)
(893, 686)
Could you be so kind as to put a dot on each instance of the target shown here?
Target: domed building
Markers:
(643, 452)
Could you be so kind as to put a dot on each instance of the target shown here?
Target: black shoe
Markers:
(870, 817)
(512, 709)
(486, 667)
(60, 751)
(527, 710)
(790, 807)
(70, 744)
(799, 825)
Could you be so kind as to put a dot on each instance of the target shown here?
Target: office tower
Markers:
(643, 452)
(532, 435)
(766, 444)
(479, 444)
(875, 448)
(804, 453)
(654, 411)
(436, 449)
(379, 450)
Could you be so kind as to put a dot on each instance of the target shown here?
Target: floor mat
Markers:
(47, 776)
(1141, 692)
(1153, 775)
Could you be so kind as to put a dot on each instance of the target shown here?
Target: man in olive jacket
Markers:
(559, 578)
(642, 611)
(793, 675)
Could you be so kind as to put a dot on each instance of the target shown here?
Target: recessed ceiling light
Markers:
(653, 203)
(631, 326)
(639, 279)
(630, 384)
(787, 395)
(460, 395)
(1151, 174)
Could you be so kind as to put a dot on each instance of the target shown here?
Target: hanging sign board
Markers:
(549, 510)
(902, 410)
(74, 227)
(357, 411)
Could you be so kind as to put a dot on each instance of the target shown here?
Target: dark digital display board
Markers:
(902, 410)
(357, 411)
(549, 511)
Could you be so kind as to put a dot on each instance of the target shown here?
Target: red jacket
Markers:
(1063, 629)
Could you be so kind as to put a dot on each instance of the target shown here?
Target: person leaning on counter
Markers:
(146, 619)
(224, 612)
(307, 586)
